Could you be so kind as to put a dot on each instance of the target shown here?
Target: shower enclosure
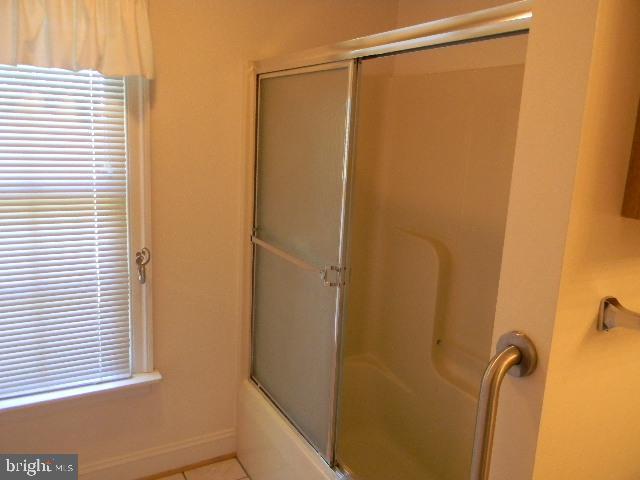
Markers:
(381, 191)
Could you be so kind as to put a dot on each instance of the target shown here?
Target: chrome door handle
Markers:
(330, 275)
(517, 356)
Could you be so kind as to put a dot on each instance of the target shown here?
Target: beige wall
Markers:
(591, 420)
(202, 50)
(411, 12)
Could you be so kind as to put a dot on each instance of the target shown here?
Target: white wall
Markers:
(202, 50)
(590, 419)
(550, 125)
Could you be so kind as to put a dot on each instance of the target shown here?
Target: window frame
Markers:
(139, 231)
(139, 212)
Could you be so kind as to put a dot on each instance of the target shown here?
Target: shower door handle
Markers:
(330, 275)
(517, 356)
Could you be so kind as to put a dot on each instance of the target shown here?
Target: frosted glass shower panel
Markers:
(301, 150)
(294, 348)
(300, 200)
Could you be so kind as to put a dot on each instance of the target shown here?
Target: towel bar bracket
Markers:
(612, 314)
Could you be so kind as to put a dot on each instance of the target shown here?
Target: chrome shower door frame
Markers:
(323, 271)
(503, 20)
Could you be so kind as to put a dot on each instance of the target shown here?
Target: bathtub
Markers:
(381, 430)
(269, 448)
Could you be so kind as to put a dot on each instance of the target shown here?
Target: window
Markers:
(72, 186)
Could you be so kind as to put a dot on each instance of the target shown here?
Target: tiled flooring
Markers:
(225, 470)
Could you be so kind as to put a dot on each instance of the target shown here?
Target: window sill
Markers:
(138, 379)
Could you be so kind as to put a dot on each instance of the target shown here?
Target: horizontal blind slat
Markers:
(64, 339)
(78, 344)
(33, 371)
(55, 258)
(71, 383)
(57, 357)
(77, 271)
(60, 373)
(93, 376)
(62, 334)
(27, 311)
(77, 316)
(36, 289)
(34, 261)
(56, 296)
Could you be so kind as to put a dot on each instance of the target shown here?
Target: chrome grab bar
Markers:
(517, 356)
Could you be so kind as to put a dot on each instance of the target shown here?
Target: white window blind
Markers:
(64, 261)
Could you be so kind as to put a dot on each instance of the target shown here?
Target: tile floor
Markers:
(225, 470)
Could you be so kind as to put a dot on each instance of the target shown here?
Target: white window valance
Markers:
(110, 36)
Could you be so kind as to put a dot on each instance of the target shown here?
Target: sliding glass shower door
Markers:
(299, 231)
(435, 143)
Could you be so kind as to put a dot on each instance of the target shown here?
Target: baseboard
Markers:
(162, 458)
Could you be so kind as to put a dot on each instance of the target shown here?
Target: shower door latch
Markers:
(332, 276)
